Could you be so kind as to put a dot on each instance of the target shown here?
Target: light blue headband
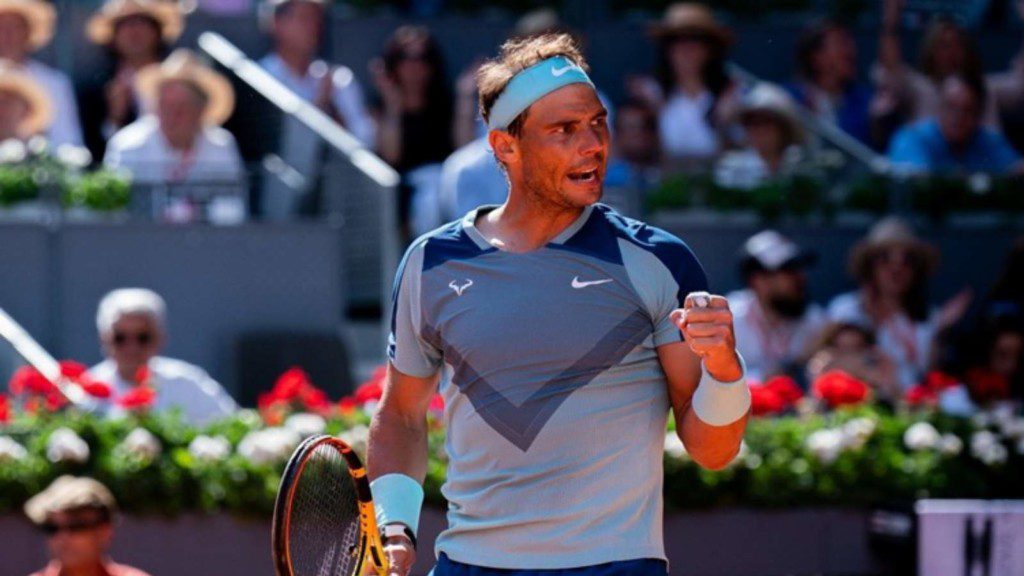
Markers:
(531, 85)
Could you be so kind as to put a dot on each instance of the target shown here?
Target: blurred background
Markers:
(203, 203)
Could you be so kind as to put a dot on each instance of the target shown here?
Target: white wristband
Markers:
(721, 403)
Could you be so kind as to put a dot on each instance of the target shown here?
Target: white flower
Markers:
(951, 445)
(12, 151)
(1012, 428)
(269, 446)
(305, 424)
(826, 445)
(357, 437)
(857, 432)
(1003, 413)
(674, 446)
(75, 156)
(66, 446)
(921, 436)
(10, 449)
(985, 446)
(981, 420)
(142, 444)
(209, 448)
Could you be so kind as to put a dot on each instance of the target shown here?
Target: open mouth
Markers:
(584, 176)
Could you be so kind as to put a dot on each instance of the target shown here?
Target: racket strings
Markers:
(325, 533)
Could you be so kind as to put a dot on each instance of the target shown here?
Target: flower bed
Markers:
(857, 455)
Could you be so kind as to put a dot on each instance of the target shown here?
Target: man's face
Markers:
(783, 290)
(562, 152)
(136, 36)
(949, 54)
(837, 55)
(131, 343)
(13, 109)
(180, 110)
(961, 112)
(636, 135)
(79, 538)
(298, 27)
(13, 36)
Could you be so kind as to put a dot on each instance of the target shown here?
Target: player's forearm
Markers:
(397, 444)
(712, 447)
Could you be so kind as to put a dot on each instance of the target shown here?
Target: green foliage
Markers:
(17, 184)
(778, 466)
(102, 190)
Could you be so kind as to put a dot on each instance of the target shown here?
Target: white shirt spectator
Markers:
(686, 132)
(348, 94)
(65, 128)
(178, 384)
(470, 178)
(767, 349)
(907, 342)
(142, 149)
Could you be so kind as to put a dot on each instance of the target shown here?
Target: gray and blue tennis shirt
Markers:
(555, 401)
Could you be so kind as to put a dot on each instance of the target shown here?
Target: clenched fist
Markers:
(706, 324)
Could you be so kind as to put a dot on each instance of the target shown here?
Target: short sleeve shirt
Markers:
(556, 403)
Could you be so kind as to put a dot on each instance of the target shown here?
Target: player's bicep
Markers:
(682, 372)
(407, 396)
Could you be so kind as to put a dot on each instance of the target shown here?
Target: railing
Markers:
(358, 189)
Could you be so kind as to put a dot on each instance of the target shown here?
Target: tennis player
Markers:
(566, 333)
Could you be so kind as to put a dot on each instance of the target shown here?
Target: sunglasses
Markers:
(141, 338)
(53, 528)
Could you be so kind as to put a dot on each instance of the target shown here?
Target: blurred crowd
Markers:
(156, 114)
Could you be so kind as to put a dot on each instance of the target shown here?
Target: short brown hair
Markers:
(515, 56)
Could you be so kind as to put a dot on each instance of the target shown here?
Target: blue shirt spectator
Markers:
(921, 146)
(955, 141)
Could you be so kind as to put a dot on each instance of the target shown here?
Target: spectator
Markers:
(181, 140)
(852, 348)
(136, 34)
(416, 118)
(955, 141)
(998, 357)
(25, 109)
(827, 83)
(131, 323)
(773, 135)
(77, 515)
(296, 30)
(1007, 295)
(891, 266)
(946, 50)
(27, 26)
(635, 165)
(773, 318)
(693, 93)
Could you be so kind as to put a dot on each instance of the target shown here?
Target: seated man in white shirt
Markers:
(180, 139)
(27, 26)
(774, 321)
(131, 328)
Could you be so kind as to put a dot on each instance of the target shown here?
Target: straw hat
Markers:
(68, 493)
(889, 233)
(40, 115)
(183, 65)
(691, 19)
(41, 17)
(167, 15)
(767, 98)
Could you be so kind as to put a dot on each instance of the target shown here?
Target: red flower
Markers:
(986, 385)
(785, 387)
(138, 399)
(95, 388)
(55, 401)
(347, 405)
(937, 381)
(71, 369)
(437, 404)
(315, 399)
(837, 388)
(373, 389)
(28, 380)
(142, 375)
(290, 385)
(921, 395)
(764, 401)
(5, 409)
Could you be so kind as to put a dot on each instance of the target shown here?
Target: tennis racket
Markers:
(324, 521)
(39, 358)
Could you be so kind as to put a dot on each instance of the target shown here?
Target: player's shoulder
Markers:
(448, 242)
(658, 242)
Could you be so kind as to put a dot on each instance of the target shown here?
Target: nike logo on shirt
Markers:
(577, 283)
